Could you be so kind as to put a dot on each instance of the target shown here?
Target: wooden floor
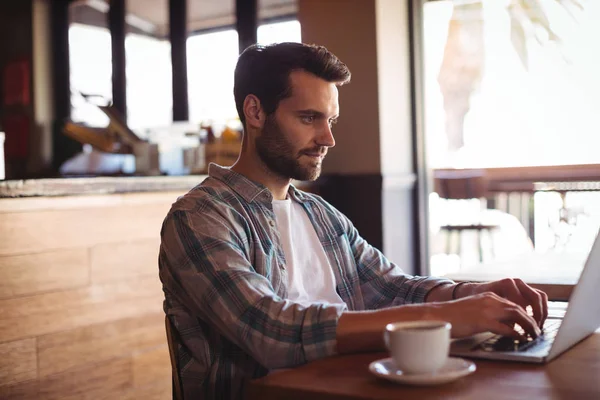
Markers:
(80, 299)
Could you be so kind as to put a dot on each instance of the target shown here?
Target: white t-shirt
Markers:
(310, 276)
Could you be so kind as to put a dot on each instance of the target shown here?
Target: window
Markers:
(148, 65)
(277, 32)
(211, 54)
(512, 84)
(149, 87)
(90, 62)
(211, 62)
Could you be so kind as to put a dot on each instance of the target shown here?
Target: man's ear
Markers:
(253, 111)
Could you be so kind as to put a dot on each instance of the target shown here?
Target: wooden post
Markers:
(246, 12)
(116, 24)
(63, 147)
(178, 38)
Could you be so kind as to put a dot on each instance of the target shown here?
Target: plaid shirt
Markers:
(224, 277)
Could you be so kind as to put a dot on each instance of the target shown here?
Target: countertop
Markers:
(97, 185)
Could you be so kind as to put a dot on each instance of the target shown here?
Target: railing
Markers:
(519, 191)
(558, 208)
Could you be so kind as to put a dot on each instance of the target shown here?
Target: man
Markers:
(259, 275)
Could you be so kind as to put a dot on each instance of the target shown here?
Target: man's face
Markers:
(294, 140)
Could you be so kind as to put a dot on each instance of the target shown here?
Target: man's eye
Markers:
(332, 122)
(308, 119)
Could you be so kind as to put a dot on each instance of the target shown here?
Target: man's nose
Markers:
(326, 137)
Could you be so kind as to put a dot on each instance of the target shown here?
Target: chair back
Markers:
(173, 341)
(459, 184)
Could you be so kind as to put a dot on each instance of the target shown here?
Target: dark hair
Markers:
(264, 72)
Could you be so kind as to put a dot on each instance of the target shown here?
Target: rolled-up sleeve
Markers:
(383, 283)
(205, 264)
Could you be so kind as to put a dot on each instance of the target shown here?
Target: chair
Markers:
(173, 341)
(464, 185)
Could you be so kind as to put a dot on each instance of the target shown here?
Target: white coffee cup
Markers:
(418, 347)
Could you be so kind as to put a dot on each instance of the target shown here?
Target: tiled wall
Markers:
(80, 299)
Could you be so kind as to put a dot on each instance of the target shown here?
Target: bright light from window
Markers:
(149, 89)
(91, 72)
(211, 63)
(509, 95)
(288, 31)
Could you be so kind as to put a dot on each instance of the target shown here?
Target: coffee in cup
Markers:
(418, 347)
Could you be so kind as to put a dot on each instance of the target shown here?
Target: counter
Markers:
(97, 185)
(80, 295)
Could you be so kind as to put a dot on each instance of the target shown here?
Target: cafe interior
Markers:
(466, 148)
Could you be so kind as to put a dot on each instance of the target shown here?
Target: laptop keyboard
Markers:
(506, 343)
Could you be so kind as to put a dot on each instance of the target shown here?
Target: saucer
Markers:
(454, 369)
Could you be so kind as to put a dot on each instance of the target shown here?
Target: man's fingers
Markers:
(519, 316)
(544, 297)
(506, 312)
(513, 293)
(504, 329)
(535, 299)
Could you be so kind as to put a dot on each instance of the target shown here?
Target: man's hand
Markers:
(481, 313)
(478, 307)
(514, 290)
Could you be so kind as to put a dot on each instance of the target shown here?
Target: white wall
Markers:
(393, 69)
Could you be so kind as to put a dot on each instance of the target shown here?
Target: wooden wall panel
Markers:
(160, 391)
(37, 231)
(41, 272)
(28, 204)
(104, 380)
(152, 366)
(80, 299)
(118, 261)
(54, 312)
(18, 361)
(70, 349)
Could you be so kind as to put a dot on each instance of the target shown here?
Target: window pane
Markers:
(286, 31)
(509, 86)
(90, 62)
(148, 68)
(211, 64)
(211, 61)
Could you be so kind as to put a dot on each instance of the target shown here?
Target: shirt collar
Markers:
(249, 190)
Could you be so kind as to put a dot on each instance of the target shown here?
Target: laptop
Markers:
(567, 324)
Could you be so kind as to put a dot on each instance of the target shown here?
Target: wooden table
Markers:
(573, 375)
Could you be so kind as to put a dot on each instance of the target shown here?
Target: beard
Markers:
(279, 155)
